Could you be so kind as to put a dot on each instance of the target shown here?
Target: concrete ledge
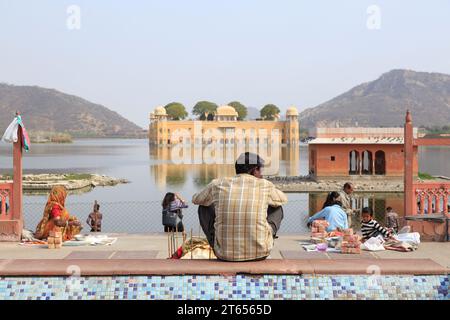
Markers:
(384, 266)
(58, 267)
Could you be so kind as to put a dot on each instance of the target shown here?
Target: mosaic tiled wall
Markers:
(219, 287)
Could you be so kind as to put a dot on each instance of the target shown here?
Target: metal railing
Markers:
(145, 216)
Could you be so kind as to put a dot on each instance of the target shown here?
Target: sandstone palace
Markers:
(224, 128)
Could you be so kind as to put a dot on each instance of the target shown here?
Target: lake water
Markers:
(135, 207)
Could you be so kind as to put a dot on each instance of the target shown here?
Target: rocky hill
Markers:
(383, 102)
(48, 110)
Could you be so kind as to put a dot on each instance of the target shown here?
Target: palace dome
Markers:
(160, 111)
(292, 111)
(226, 111)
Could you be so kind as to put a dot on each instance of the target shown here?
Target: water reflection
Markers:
(173, 167)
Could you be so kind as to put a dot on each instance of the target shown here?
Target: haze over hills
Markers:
(53, 111)
(383, 102)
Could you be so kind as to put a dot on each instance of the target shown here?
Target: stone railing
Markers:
(6, 192)
(431, 197)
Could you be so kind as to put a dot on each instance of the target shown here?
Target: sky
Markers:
(132, 56)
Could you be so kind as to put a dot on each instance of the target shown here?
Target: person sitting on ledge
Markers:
(174, 203)
(241, 215)
(333, 213)
(57, 217)
(370, 227)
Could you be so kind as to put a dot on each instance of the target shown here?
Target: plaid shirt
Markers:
(241, 228)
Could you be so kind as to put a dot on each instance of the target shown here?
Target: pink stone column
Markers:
(409, 164)
(445, 196)
(11, 228)
(17, 178)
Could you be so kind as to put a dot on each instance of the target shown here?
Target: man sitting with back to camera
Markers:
(241, 215)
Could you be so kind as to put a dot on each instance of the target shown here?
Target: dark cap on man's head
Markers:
(248, 161)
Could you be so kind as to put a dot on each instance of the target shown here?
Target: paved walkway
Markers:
(149, 252)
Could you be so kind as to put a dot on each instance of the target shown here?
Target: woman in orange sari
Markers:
(56, 217)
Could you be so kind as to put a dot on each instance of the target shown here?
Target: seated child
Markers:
(94, 219)
(392, 219)
(371, 228)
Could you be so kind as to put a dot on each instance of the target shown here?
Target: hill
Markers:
(49, 110)
(252, 113)
(383, 102)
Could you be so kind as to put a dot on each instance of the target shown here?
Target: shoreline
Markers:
(306, 184)
(78, 183)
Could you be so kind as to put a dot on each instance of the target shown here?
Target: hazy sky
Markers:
(134, 55)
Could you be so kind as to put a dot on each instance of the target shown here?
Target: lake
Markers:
(135, 207)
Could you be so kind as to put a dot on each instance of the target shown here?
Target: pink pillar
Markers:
(409, 165)
(422, 205)
(11, 228)
(430, 203)
(437, 205)
(17, 178)
(445, 195)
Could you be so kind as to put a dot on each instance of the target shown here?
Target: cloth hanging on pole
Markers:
(11, 133)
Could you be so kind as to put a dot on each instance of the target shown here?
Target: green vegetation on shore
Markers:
(426, 176)
(438, 129)
(50, 137)
(67, 176)
(78, 176)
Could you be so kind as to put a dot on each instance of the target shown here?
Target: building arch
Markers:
(366, 162)
(380, 162)
(353, 163)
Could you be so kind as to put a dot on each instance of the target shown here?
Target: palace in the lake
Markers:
(224, 128)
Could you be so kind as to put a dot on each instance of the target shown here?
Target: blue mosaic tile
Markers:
(220, 287)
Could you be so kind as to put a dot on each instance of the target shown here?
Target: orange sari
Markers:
(55, 208)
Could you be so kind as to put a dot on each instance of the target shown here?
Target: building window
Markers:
(353, 162)
(380, 162)
(367, 162)
(333, 158)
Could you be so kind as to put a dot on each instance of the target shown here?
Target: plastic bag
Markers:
(411, 238)
(374, 244)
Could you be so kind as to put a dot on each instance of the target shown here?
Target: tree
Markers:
(269, 111)
(176, 111)
(240, 109)
(202, 107)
